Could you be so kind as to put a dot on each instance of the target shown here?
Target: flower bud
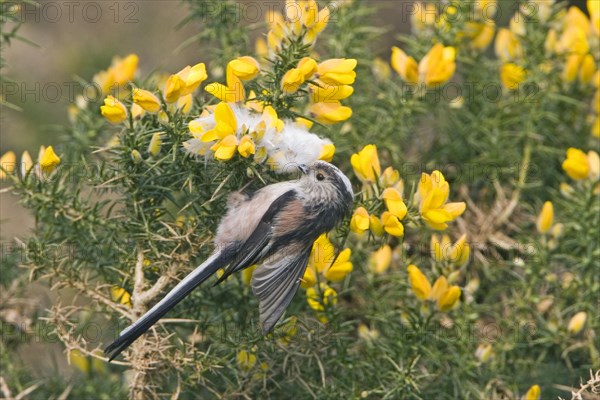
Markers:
(546, 217)
(577, 322)
(147, 100)
(360, 220)
(419, 283)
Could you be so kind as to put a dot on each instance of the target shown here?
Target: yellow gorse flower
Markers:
(404, 65)
(8, 163)
(226, 123)
(571, 67)
(436, 68)
(79, 360)
(579, 66)
(550, 44)
(330, 112)
(261, 49)
(327, 153)
(49, 160)
(247, 274)
(594, 9)
(121, 71)
(545, 218)
(480, 34)
(287, 331)
(508, 46)
(233, 92)
(512, 75)
(444, 250)
(577, 322)
(238, 70)
(275, 36)
(323, 92)
(381, 70)
(366, 164)
(318, 27)
(440, 249)
(445, 296)
(26, 164)
(113, 110)
(225, 148)
(365, 333)
(246, 147)
(439, 288)
(120, 295)
(460, 251)
(380, 260)
(340, 268)
(419, 283)
(193, 77)
(184, 82)
(173, 88)
(394, 203)
(155, 144)
(533, 393)
(448, 299)
(324, 261)
(184, 103)
(320, 297)
(587, 69)
(137, 112)
(438, 65)
(484, 352)
(146, 99)
(576, 164)
(136, 157)
(360, 220)
(391, 177)
(245, 68)
(308, 66)
(391, 224)
(575, 17)
(85, 363)
(376, 226)
(337, 71)
(424, 15)
(322, 254)
(433, 194)
(295, 77)
(303, 18)
(245, 360)
(292, 80)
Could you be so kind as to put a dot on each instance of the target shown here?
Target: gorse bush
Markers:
(468, 268)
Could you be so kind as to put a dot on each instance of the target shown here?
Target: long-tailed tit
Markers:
(274, 227)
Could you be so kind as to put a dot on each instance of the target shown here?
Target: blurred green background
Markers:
(75, 44)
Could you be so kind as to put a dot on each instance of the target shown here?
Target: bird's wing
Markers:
(276, 281)
(258, 243)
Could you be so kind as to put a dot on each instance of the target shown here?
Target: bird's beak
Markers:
(303, 168)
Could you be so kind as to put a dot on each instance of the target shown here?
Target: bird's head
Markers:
(324, 182)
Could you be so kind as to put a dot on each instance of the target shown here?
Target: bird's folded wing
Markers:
(276, 281)
(257, 245)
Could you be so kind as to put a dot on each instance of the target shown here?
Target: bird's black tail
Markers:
(195, 278)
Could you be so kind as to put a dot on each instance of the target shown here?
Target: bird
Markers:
(274, 227)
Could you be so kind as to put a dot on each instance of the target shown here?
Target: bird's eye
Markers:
(320, 176)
